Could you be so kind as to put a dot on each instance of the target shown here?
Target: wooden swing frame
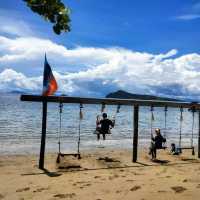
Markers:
(107, 101)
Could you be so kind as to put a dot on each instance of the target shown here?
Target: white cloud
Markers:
(11, 80)
(191, 12)
(188, 17)
(13, 25)
(98, 71)
(19, 29)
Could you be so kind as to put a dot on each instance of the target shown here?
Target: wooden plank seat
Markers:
(180, 148)
(78, 155)
(184, 148)
(161, 148)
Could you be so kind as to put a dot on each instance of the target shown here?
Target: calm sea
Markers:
(20, 126)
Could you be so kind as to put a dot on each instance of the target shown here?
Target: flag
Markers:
(49, 82)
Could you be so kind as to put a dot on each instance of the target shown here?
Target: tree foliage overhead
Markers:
(53, 11)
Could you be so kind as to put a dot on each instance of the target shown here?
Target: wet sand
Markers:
(103, 174)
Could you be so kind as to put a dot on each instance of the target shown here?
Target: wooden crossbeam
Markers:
(109, 101)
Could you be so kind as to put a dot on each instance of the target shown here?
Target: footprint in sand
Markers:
(137, 174)
(113, 177)
(108, 160)
(85, 185)
(198, 186)
(63, 196)
(97, 176)
(82, 182)
(23, 189)
(130, 180)
(88, 184)
(1, 196)
(137, 187)
(40, 189)
(178, 189)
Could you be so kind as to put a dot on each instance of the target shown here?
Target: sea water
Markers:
(20, 126)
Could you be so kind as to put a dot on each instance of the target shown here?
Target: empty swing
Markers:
(60, 154)
(180, 148)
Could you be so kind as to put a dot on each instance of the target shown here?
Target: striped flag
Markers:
(49, 82)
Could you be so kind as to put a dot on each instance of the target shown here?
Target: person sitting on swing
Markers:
(104, 126)
(156, 143)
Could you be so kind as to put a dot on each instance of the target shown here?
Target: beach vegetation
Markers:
(53, 11)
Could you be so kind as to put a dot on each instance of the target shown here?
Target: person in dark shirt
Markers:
(157, 143)
(104, 126)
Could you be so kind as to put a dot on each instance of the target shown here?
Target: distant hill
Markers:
(120, 94)
(16, 92)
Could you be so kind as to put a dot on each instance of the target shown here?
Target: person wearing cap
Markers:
(156, 143)
(104, 126)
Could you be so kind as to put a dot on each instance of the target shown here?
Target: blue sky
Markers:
(152, 26)
(143, 25)
(139, 38)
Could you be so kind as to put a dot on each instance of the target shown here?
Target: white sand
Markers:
(97, 179)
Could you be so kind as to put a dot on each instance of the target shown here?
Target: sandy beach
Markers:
(101, 175)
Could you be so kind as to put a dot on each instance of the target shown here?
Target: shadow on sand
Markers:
(44, 171)
(155, 163)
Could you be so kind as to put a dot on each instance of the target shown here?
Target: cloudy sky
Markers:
(145, 47)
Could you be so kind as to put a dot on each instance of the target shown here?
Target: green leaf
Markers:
(53, 11)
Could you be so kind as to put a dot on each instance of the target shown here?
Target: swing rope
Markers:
(192, 145)
(117, 111)
(60, 127)
(152, 119)
(180, 130)
(118, 108)
(79, 128)
(59, 132)
(193, 115)
(103, 106)
(165, 121)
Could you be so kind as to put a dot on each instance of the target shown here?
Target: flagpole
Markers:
(44, 121)
(49, 87)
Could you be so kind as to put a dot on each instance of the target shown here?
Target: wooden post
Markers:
(135, 132)
(199, 136)
(43, 136)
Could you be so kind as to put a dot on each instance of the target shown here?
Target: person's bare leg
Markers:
(154, 152)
